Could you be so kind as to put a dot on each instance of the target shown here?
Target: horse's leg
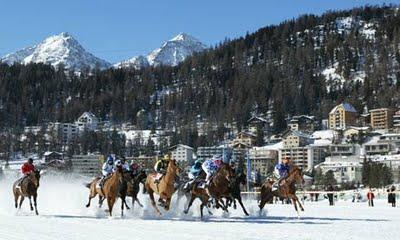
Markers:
(242, 205)
(110, 203)
(35, 203)
(167, 203)
(234, 203)
(16, 196)
(153, 202)
(295, 206)
(122, 207)
(21, 201)
(189, 204)
(101, 201)
(30, 202)
(300, 205)
(137, 200)
(88, 204)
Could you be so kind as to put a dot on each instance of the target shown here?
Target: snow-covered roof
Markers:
(323, 134)
(347, 107)
(257, 118)
(277, 146)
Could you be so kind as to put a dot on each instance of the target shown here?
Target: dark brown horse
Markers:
(236, 192)
(134, 188)
(27, 187)
(219, 188)
(286, 190)
(109, 191)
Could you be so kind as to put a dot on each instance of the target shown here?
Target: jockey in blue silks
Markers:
(194, 173)
(281, 171)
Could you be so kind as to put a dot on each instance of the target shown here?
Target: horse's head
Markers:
(140, 177)
(173, 167)
(228, 172)
(35, 177)
(297, 174)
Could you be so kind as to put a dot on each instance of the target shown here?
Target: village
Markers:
(337, 146)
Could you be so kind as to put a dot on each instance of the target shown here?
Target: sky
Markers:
(120, 29)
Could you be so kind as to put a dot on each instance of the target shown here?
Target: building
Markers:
(50, 156)
(87, 165)
(343, 150)
(304, 157)
(87, 121)
(208, 152)
(295, 139)
(342, 116)
(383, 145)
(297, 146)
(396, 120)
(382, 118)
(257, 122)
(67, 131)
(182, 153)
(263, 160)
(344, 168)
(303, 123)
(245, 138)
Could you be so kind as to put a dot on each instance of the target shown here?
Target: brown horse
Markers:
(110, 189)
(219, 188)
(27, 187)
(165, 188)
(287, 189)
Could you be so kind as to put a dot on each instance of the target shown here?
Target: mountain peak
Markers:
(58, 49)
(171, 53)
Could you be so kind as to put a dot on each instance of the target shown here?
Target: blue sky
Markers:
(120, 29)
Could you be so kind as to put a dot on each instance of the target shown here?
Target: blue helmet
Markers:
(110, 160)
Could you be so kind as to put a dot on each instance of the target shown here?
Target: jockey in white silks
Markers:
(211, 166)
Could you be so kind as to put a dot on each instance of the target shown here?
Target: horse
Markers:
(27, 187)
(286, 190)
(134, 188)
(217, 189)
(236, 192)
(165, 188)
(109, 191)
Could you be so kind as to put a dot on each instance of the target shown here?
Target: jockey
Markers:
(26, 169)
(108, 166)
(161, 167)
(281, 171)
(134, 168)
(211, 166)
(194, 173)
(107, 170)
(124, 164)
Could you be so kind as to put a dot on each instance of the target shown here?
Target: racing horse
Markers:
(134, 188)
(236, 192)
(218, 188)
(286, 190)
(165, 188)
(110, 190)
(27, 187)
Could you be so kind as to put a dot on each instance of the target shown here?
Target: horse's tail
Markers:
(144, 191)
(87, 185)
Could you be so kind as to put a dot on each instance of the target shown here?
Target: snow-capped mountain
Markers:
(135, 62)
(55, 50)
(171, 53)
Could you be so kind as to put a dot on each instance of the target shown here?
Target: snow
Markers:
(63, 216)
(56, 50)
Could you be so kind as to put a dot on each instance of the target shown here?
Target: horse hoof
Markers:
(87, 205)
(185, 212)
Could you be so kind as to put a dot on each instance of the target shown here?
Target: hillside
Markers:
(301, 66)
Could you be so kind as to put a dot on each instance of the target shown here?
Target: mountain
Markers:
(56, 50)
(171, 53)
(305, 65)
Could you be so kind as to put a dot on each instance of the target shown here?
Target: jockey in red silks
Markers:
(28, 167)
